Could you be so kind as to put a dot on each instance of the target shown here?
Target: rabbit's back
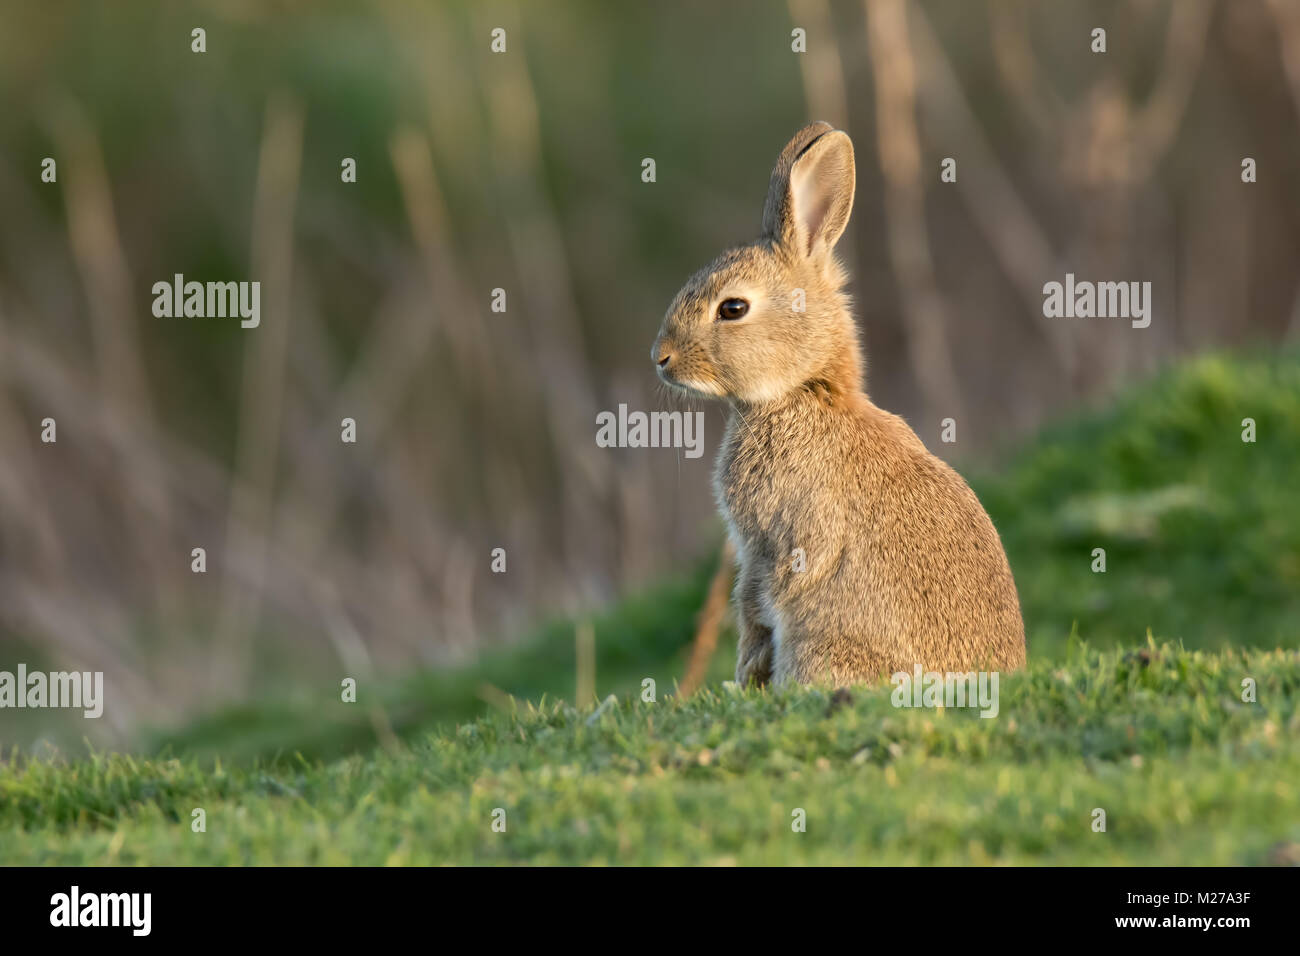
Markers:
(873, 555)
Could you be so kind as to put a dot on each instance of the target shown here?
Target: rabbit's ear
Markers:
(811, 192)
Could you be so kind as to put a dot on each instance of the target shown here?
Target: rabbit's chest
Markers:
(774, 494)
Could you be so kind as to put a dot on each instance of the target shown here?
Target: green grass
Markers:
(1202, 539)
(1158, 738)
(1201, 530)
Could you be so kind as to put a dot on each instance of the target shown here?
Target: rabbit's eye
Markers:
(733, 309)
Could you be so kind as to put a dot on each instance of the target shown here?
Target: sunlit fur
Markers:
(902, 565)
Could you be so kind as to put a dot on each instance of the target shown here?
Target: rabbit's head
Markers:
(765, 319)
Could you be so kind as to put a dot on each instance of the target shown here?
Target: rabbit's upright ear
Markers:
(811, 192)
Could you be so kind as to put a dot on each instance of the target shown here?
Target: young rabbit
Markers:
(860, 554)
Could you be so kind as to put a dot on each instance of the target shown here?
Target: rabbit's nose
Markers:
(661, 354)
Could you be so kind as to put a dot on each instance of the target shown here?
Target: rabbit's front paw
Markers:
(756, 667)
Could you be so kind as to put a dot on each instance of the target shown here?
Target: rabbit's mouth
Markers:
(691, 386)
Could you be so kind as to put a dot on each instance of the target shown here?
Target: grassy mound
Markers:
(1201, 529)
(1157, 737)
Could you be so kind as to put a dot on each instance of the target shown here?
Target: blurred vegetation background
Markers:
(522, 171)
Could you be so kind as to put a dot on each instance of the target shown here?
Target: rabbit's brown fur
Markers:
(901, 565)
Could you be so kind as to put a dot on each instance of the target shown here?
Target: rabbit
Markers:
(859, 553)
